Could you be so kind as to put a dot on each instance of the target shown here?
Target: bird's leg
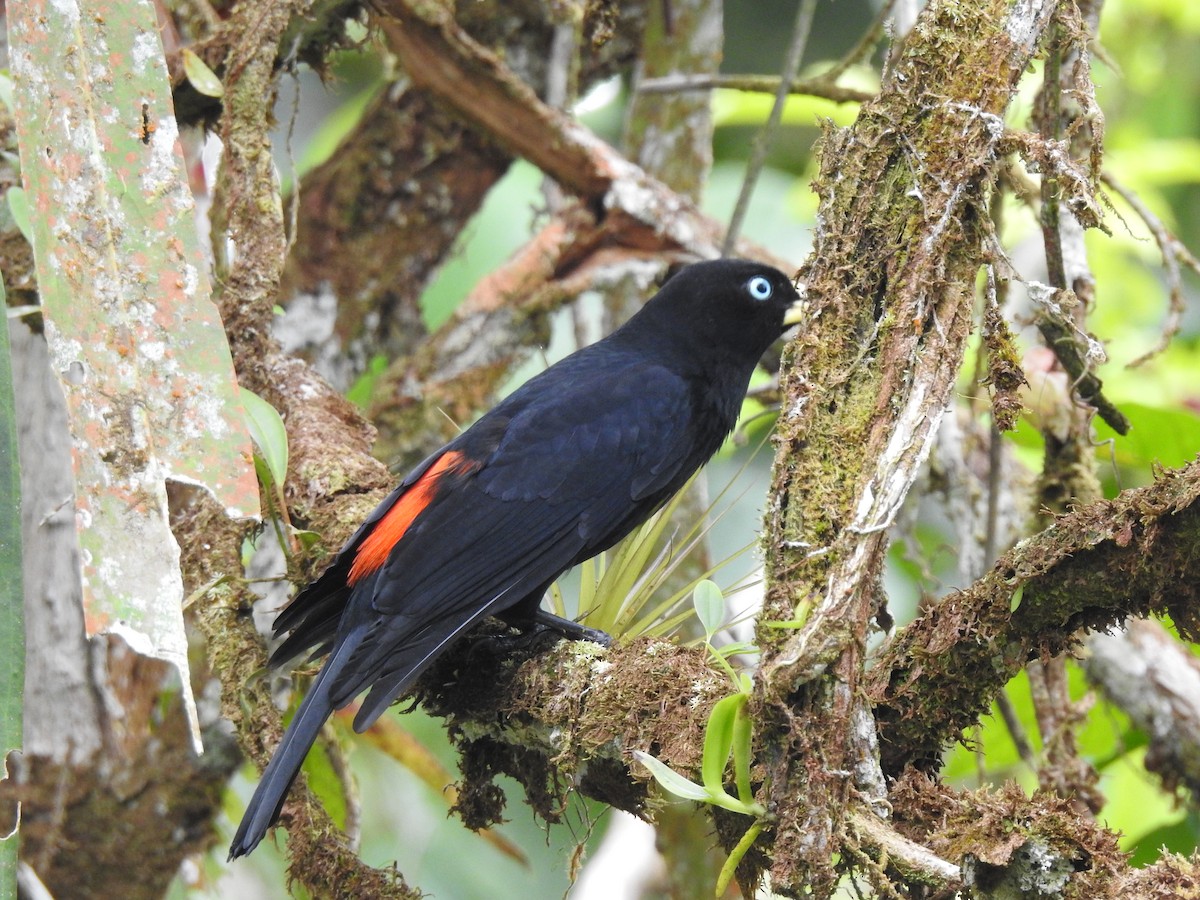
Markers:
(538, 633)
(573, 631)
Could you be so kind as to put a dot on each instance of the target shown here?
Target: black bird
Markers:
(560, 470)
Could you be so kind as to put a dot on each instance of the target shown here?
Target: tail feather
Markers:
(277, 778)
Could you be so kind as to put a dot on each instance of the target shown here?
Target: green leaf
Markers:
(18, 205)
(12, 605)
(742, 748)
(671, 781)
(1014, 602)
(268, 433)
(718, 741)
(200, 76)
(307, 539)
(132, 331)
(1167, 437)
(363, 389)
(266, 478)
(710, 607)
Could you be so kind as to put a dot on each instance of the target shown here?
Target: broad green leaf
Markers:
(671, 780)
(268, 433)
(1168, 437)
(130, 324)
(718, 741)
(12, 603)
(709, 603)
(200, 76)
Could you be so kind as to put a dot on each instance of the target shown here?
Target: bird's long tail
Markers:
(277, 778)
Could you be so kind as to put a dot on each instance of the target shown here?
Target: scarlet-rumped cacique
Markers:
(558, 471)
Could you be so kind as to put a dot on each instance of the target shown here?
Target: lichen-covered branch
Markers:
(1091, 568)
(324, 432)
(891, 281)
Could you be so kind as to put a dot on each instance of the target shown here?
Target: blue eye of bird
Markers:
(759, 288)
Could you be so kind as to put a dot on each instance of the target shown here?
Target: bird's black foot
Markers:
(538, 634)
(572, 631)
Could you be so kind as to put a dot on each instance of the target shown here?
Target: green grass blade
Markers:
(12, 606)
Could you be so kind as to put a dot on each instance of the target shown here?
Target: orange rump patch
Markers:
(373, 551)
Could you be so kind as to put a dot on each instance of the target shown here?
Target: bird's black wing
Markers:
(310, 621)
(566, 477)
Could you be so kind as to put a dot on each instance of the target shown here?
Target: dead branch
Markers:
(1145, 671)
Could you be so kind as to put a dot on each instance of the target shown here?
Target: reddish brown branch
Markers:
(472, 81)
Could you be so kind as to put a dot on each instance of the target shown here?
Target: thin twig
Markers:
(995, 461)
(758, 155)
(1016, 730)
(822, 87)
(561, 89)
(905, 854)
(1173, 253)
(865, 44)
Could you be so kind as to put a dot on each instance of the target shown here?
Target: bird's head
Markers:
(721, 310)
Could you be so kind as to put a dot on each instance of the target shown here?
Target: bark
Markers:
(891, 280)
(106, 773)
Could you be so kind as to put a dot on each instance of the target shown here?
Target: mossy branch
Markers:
(1089, 570)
